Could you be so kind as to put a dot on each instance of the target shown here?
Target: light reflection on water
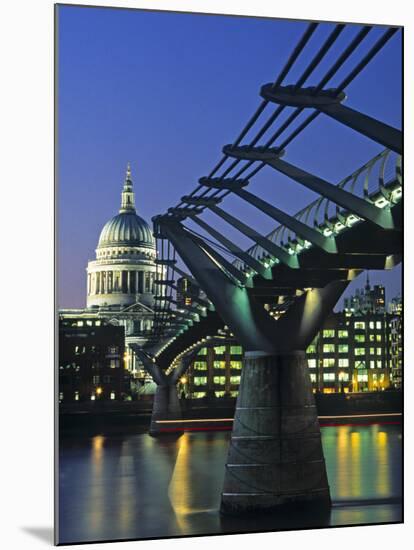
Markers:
(135, 486)
(363, 462)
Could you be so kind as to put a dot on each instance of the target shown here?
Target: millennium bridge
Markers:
(303, 266)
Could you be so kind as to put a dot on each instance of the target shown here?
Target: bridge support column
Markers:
(275, 456)
(166, 407)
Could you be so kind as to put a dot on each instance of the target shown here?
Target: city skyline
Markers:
(131, 90)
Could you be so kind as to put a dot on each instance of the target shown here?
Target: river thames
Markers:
(136, 487)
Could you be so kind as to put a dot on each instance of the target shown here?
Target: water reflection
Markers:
(135, 486)
(359, 463)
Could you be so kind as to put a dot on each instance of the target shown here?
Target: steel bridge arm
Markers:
(354, 204)
(329, 102)
(314, 236)
(155, 371)
(236, 250)
(270, 247)
(247, 318)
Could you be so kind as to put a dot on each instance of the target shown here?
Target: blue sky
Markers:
(165, 92)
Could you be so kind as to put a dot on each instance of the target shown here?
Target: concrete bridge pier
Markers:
(166, 407)
(166, 404)
(275, 456)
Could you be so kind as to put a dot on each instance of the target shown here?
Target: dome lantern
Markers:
(128, 195)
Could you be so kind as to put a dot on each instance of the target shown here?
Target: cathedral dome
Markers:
(127, 228)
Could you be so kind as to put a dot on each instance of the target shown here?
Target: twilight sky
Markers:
(165, 92)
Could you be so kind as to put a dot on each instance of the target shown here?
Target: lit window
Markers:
(97, 323)
(198, 395)
(343, 377)
(80, 323)
(342, 334)
(61, 396)
(343, 348)
(359, 337)
(371, 351)
(359, 351)
(112, 350)
(329, 362)
(378, 324)
(379, 351)
(219, 393)
(236, 365)
(95, 379)
(200, 380)
(234, 379)
(343, 362)
(200, 365)
(219, 364)
(203, 351)
(359, 324)
(360, 365)
(379, 364)
(312, 363)
(329, 348)
(378, 338)
(89, 323)
(93, 397)
(371, 324)
(328, 333)
(313, 377)
(236, 350)
(112, 395)
(76, 396)
(372, 364)
(220, 350)
(311, 349)
(362, 377)
(221, 380)
(329, 377)
(234, 393)
(113, 363)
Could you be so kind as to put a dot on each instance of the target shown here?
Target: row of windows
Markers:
(112, 396)
(202, 365)
(344, 363)
(344, 348)
(331, 377)
(221, 350)
(201, 394)
(221, 380)
(344, 377)
(80, 350)
(112, 364)
(343, 333)
(88, 323)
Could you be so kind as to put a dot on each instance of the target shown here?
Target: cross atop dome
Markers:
(128, 195)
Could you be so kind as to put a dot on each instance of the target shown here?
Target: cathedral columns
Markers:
(98, 282)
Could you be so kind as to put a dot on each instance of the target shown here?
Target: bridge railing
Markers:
(378, 181)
